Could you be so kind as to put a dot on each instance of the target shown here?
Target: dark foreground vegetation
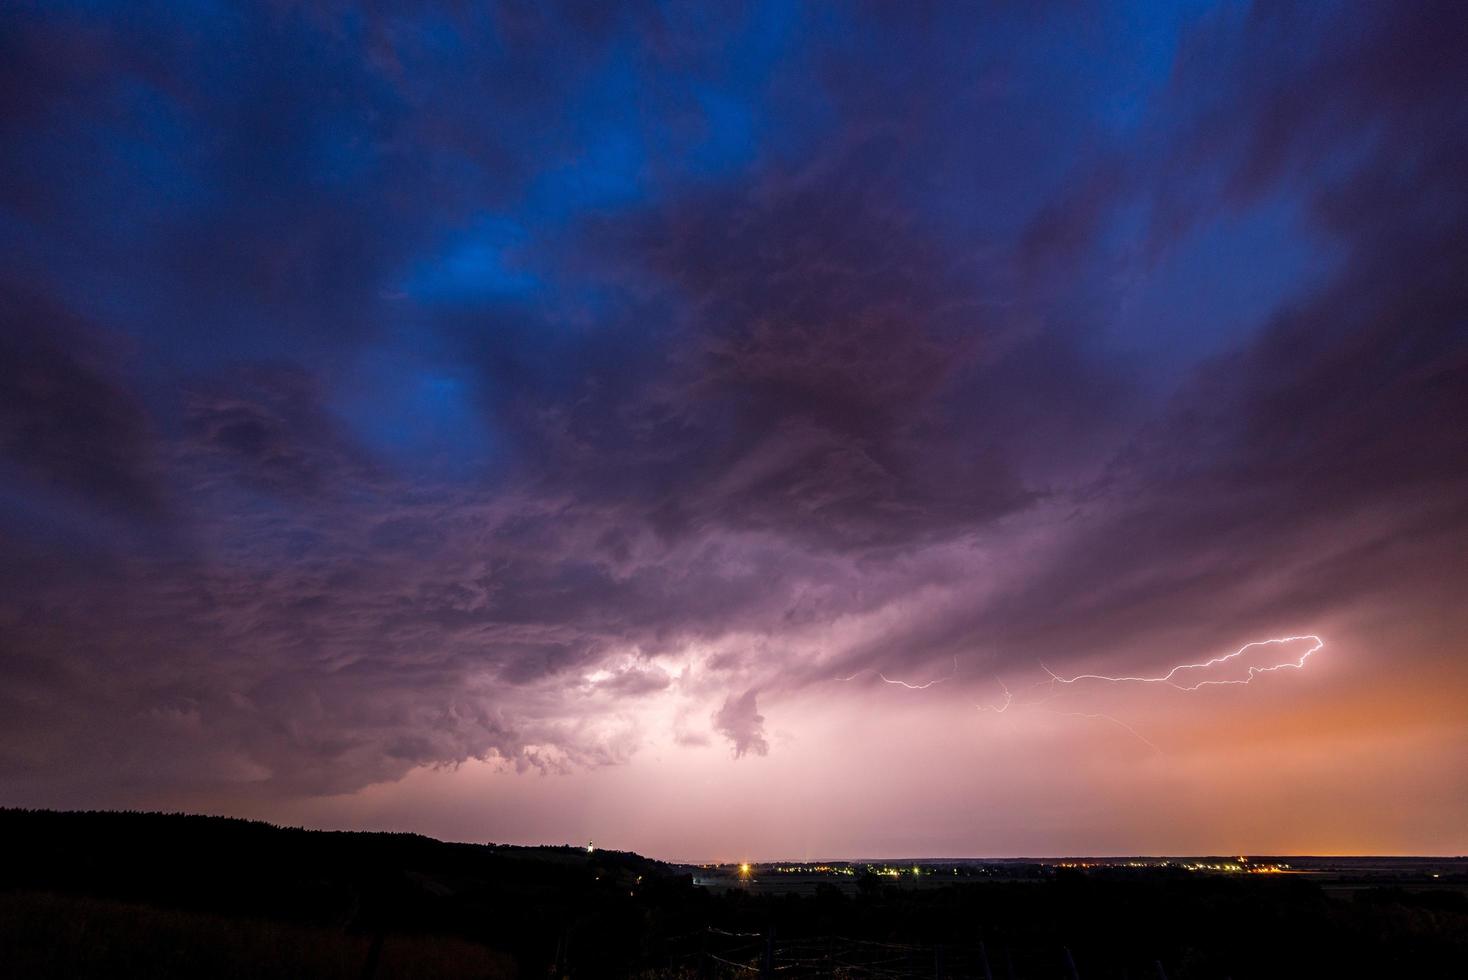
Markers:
(155, 895)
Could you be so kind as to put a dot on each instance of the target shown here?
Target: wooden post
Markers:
(938, 962)
(767, 962)
(984, 960)
(1161, 973)
(374, 953)
(1070, 962)
(563, 954)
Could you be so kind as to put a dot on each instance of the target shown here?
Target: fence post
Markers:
(767, 962)
(938, 962)
(374, 952)
(1070, 963)
(1161, 973)
(984, 960)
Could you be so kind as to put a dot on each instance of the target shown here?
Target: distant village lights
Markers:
(744, 871)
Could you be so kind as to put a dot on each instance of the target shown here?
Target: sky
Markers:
(741, 431)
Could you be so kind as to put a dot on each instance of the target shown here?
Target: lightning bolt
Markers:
(1008, 699)
(1115, 721)
(1000, 709)
(900, 683)
(1316, 643)
(1171, 679)
(922, 687)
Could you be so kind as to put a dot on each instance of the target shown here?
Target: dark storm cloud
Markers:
(1334, 441)
(838, 377)
(266, 427)
(506, 373)
(1327, 454)
(66, 421)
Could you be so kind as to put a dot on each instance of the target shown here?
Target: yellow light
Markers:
(744, 869)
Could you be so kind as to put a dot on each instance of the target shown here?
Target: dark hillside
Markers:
(522, 901)
(165, 895)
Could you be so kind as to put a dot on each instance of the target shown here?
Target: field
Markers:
(158, 895)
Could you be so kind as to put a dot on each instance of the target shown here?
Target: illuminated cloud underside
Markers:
(667, 428)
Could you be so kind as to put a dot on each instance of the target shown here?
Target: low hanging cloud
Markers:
(741, 723)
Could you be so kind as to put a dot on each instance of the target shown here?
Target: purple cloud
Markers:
(741, 723)
(386, 394)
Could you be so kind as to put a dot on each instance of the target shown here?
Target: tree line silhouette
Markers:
(164, 895)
